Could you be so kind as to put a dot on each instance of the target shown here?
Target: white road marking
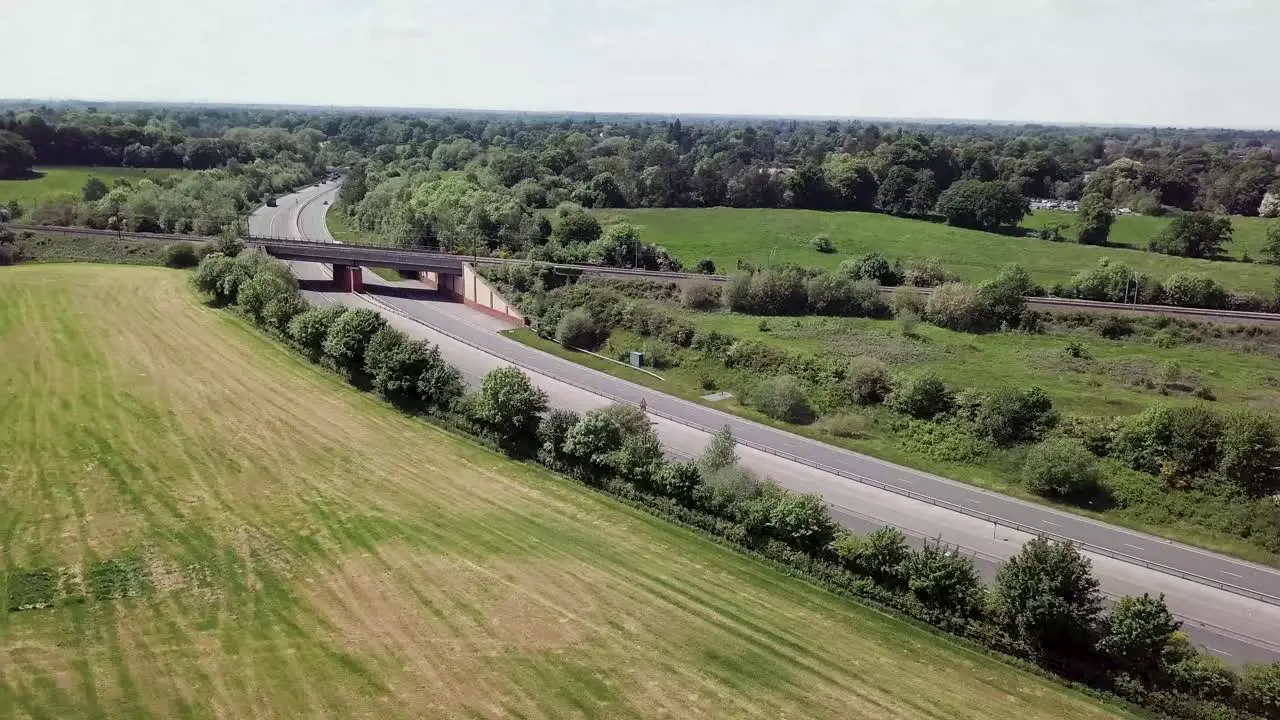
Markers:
(1046, 522)
(1224, 572)
(1135, 547)
(975, 502)
(1216, 650)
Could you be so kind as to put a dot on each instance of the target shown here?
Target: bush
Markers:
(1111, 282)
(957, 306)
(924, 397)
(1260, 689)
(551, 434)
(720, 452)
(1203, 676)
(1009, 416)
(846, 425)
(942, 578)
(309, 329)
(1176, 443)
(927, 272)
(281, 310)
(700, 295)
(1250, 453)
(706, 266)
(867, 381)
(1190, 289)
(508, 405)
(577, 329)
(836, 294)
(822, 244)
(1113, 327)
(180, 255)
(10, 254)
(775, 291)
(1061, 468)
(782, 398)
(736, 292)
(210, 277)
(348, 339)
(880, 555)
(872, 266)
(1138, 630)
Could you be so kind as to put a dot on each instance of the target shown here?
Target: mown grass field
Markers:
(226, 531)
(764, 235)
(52, 182)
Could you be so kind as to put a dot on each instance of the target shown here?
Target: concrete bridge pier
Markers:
(348, 278)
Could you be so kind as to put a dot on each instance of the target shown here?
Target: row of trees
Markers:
(1044, 604)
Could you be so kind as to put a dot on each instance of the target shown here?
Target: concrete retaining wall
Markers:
(473, 291)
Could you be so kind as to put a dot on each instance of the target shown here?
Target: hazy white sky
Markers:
(1166, 62)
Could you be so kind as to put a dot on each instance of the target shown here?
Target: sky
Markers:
(1143, 62)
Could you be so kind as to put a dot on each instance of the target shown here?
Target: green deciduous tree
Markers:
(577, 329)
(867, 381)
(982, 205)
(1095, 218)
(1137, 630)
(508, 405)
(958, 306)
(879, 555)
(1271, 246)
(1046, 597)
(93, 190)
(1192, 289)
(309, 329)
(720, 452)
(1260, 689)
(348, 339)
(16, 156)
(1196, 235)
(802, 521)
(1009, 416)
(944, 579)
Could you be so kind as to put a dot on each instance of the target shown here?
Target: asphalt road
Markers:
(1235, 627)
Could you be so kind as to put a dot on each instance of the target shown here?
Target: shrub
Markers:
(822, 243)
(1061, 468)
(281, 310)
(1176, 443)
(706, 266)
(782, 398)
(872, 266)
(180, 255)
(1191, 289)
(1009, 416)
(349, 337)
(1113, 327)
(1076, 349)
(802, 521)
(1112, 282)
(950, 440)
(924, 397)
(720, 452)
(942, 578)
(909, 302)
(880, 555)
(867, 381)
(550, 436)
(10, 254)
(927, 272)
(210, 277)
(577, 329)
(846, 425)
(508, 405)
(700, 295)
(1203, 676)
(1250, 453)
(724, 490)
(776, 291)
(836, 294)
(957, 306)
(1004, 296)
(591, 442)
(736, 292)
(1138, 630)
(308, 330)
(1260, 689)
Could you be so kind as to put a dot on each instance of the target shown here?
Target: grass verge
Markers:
(224, 530)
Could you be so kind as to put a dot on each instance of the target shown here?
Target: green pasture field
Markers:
(766, 235)
(51, 182)
(197, 523)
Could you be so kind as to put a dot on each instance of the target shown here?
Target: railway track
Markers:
(1051, 304)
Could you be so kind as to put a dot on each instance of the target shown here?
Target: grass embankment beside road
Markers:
(1114, 378)
(68, 248)
(766, 236)
(224, 530)
(50, 182)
